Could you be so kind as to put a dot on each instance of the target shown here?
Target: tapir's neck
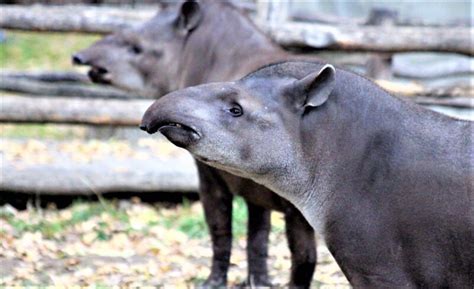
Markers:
(354, 147)
(226, 46)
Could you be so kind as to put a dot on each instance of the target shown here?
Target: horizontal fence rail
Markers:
(36, 87)
(63, 175)
(24, 109)
(290, 34)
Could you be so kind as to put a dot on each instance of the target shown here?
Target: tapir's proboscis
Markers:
(388, 183)
(196, 42)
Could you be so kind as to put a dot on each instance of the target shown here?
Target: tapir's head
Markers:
(143, 59)
(249, 127)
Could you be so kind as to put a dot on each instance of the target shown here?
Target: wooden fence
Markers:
(69, 98)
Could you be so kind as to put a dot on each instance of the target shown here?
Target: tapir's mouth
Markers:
(178, 133)
(99, 75)
(176, 125)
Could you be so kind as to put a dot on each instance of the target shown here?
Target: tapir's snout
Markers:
(147, 128)
(150, 119)
(78, 59)
(169, 115)
(143, 127)
(97, 73)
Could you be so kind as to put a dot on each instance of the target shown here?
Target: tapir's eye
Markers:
(135, 49)
(236, 110)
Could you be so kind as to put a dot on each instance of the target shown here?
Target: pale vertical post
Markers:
(273, 12)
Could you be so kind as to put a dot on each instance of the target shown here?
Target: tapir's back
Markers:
(429, 181)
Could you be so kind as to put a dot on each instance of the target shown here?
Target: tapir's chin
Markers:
(221, 165)
(179, 134)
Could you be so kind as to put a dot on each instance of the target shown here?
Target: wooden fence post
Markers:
(273, 11)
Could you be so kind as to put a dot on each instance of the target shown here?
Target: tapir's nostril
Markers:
(143, 127)
(102, 70)
(77, 60)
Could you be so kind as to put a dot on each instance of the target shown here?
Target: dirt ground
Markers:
(130, 244)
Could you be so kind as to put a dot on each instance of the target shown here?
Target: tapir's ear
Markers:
(190, 15)
(317, 86)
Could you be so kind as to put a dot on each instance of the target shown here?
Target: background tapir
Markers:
(200, 42)
(388, 183)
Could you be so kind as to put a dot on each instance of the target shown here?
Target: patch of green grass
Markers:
(80, 213)
(193, 223)
(41, 131)
(187, 221)
(101, 286)
(239, 217)
(30, 50)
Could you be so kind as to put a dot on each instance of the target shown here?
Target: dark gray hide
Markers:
(190, 44)
(388, 183)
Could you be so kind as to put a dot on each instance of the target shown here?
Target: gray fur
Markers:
(210, 41)
(388, 183)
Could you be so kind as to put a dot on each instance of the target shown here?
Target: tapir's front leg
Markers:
(217, 203)
(302, 243)
(257, 245)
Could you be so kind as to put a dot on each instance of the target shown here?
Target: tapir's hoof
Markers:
(214, 283)
(256, 282)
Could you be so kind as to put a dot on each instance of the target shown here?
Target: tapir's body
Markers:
(388, 183)
(177, 49)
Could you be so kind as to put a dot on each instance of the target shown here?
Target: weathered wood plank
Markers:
(72, 110)
(35, 87)
(372, 38)
(85, 19)
(431, 65)
(460, 102)
(46, 76)
(64, 176)
(21, 109)
(290, 34)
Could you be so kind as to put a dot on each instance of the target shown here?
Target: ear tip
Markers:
(329, 66)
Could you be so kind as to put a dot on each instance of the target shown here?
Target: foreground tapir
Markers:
(388, 183)
(189, 44)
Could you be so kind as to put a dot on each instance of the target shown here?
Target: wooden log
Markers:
(460, 102)
(431, 65)
(289, 34)
(40, 88)
(85, 19)
(273, 11)
(372, 38)
(19, 109)
(62, 175)
(324, 18)
(72, 110)
(455, 112)
(412, 89)
(34, 87)
(46, 76)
